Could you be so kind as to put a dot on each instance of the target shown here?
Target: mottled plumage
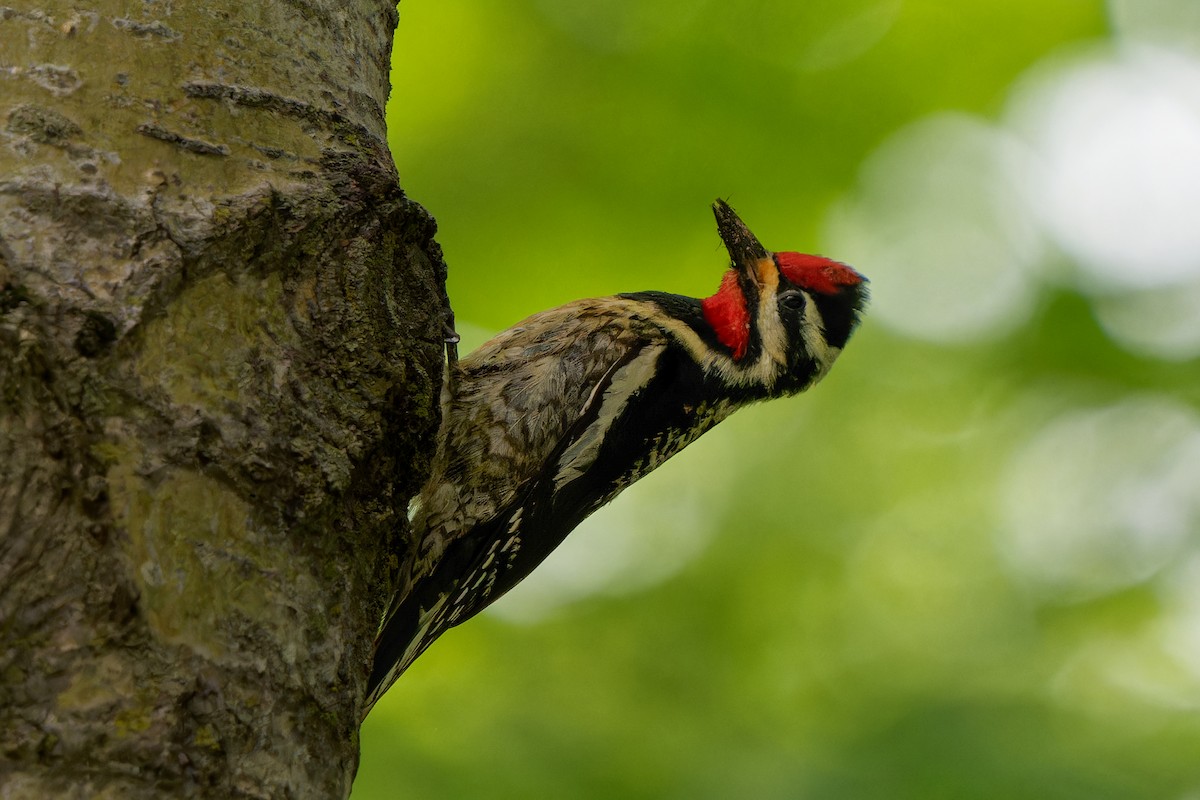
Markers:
(552, 418)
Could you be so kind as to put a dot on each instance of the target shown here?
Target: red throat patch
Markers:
(726, 312)
(816, 273)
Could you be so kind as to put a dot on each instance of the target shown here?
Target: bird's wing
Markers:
(511, 453)
(517, 399)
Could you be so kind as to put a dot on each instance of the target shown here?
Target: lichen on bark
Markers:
(220, 353)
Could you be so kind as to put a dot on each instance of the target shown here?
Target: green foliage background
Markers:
(849, 622)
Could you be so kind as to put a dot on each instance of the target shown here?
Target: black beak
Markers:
(745, 251)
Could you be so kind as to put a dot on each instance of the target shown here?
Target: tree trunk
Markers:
(220, 353)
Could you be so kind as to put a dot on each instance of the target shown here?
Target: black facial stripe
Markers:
(685, 309)
(689, 311)
(839, 312)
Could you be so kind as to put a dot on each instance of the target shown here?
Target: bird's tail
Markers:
(404, 637)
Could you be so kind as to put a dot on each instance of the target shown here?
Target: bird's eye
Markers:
(792, 299)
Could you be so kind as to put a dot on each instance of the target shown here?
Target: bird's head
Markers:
(783, 317)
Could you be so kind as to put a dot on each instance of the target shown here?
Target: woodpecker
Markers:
(551, 419)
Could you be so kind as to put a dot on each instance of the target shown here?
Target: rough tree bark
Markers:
(220, 349)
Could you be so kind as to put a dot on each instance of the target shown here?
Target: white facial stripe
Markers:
(770, 326)
(771, 362)
(762, 371)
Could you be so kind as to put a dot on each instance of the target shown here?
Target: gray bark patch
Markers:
(42, 125)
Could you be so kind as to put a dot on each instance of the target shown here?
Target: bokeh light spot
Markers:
(1158, 323)
(1100, 500)
(1180, 629)
(1117, 180)
(1170, 22)
(851, 36)
(941, 225)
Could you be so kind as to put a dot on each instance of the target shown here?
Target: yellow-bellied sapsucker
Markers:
(553, 417)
